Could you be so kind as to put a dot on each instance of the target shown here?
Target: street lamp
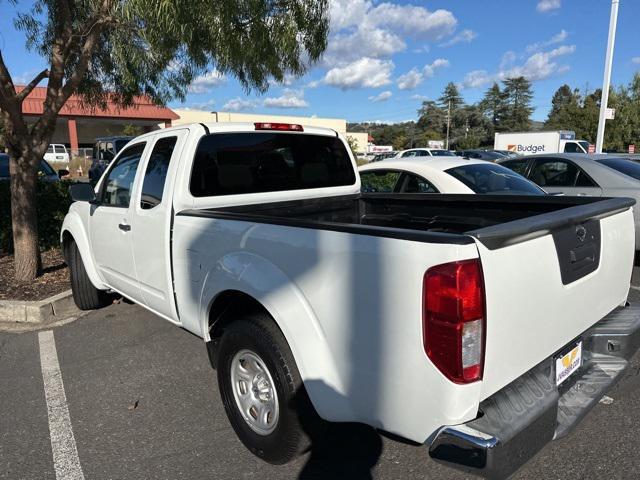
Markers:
(607, 74)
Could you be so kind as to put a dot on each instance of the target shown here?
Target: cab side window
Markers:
(116, 191)
(156, 173)
(556, 172)
(379, 181)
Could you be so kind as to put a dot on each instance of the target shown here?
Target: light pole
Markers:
(448, 123)
(613, 21)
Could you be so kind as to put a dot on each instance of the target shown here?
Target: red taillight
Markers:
(285, 127)
(453, 322)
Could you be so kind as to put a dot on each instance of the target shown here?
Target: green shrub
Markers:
(53, 203)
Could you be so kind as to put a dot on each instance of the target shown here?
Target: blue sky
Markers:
(384, 58)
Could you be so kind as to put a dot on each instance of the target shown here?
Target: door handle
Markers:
(124, 227)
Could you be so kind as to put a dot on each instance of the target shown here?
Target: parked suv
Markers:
(104, 150)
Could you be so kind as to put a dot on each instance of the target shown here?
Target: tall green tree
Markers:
(518, 94)
(566, 110)
(494, 106)
(451, 96)
(431, 117)
(118, 49)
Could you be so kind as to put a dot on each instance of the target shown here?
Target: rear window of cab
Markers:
(254, 162)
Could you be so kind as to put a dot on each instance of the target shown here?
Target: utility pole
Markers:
(448, 123)
(613, 21)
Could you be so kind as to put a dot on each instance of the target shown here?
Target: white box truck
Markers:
(530, 143)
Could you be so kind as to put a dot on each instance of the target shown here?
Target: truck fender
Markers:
(285, 302)
(72, 225)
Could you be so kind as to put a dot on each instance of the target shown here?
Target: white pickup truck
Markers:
(480, 326)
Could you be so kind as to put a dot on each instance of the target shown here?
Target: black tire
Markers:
(85, 295)
(297, 420)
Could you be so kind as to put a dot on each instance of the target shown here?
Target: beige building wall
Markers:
(337, 124)
(195, 116)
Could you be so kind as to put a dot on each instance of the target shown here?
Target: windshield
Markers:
(622, 165)
(120, 144)
(492, 179)
(442, 153)
(584, 145)
(46, 169)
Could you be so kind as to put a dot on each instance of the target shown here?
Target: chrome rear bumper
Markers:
(516, 422)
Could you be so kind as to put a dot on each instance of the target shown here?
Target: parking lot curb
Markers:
(49, 310)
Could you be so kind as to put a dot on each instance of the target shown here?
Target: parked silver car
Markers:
(578, 174)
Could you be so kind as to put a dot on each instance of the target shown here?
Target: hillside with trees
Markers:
(506, 107)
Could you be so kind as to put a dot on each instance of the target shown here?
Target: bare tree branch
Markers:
(32, 84)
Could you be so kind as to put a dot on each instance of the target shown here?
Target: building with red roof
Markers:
(79, 124)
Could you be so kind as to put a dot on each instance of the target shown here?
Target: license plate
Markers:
(568, 363)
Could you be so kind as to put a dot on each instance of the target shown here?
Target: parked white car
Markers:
(425, 152)
(57, 154)
(480, 326)
(444, 175)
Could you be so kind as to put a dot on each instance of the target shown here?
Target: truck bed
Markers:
(495, 220)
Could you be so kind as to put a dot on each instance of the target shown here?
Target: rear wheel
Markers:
(262, 391)
(85, 295)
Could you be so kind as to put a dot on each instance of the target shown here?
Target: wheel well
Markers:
(228, 306)
(67, 239)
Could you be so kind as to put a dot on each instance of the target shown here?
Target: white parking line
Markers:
(63, 443)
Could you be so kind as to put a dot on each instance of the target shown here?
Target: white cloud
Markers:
(238, 104)
(206, 82)
(539, 65)
(414, 77)
(414, 21)
(548, 5)
(419, 97)
(476, 79)
(288, 99)
(635, 60)
(410, 80)
(381, 97)
(429, 70)
(365, 72)
(374, 42)
(559, 37)
(202, 107)
(465, 36)
(347, 13)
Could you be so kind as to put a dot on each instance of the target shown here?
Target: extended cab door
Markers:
(559, 175)
(110, 223)
(152, 222)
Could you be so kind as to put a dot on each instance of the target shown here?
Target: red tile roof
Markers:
(143, 108)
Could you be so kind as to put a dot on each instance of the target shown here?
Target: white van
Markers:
(530, 143)
(58, 154)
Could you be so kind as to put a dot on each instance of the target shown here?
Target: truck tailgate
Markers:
(547, 288)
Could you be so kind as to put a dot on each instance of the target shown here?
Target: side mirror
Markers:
(63, 172)
(82, 192)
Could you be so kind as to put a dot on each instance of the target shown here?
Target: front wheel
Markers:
(85, 295)
(262, 391)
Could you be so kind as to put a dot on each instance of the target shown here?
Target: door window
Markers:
(416, 184)
(50, 149)
(379, 181)
(116, 191)
(554, 172)
(518, 166)
(156, 173)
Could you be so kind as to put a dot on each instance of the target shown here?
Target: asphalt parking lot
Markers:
(143, 403)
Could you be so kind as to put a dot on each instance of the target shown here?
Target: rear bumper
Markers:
(516, 422)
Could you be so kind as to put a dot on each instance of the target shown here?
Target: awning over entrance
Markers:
(96, 122)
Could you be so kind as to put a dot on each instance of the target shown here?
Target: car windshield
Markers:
(46, 169)
(120, 144)
(442, 153)
(494, 179)
(622, 165)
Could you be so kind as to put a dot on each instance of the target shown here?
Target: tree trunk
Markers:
(24, 215)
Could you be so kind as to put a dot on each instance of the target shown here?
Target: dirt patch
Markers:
(54, 280)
